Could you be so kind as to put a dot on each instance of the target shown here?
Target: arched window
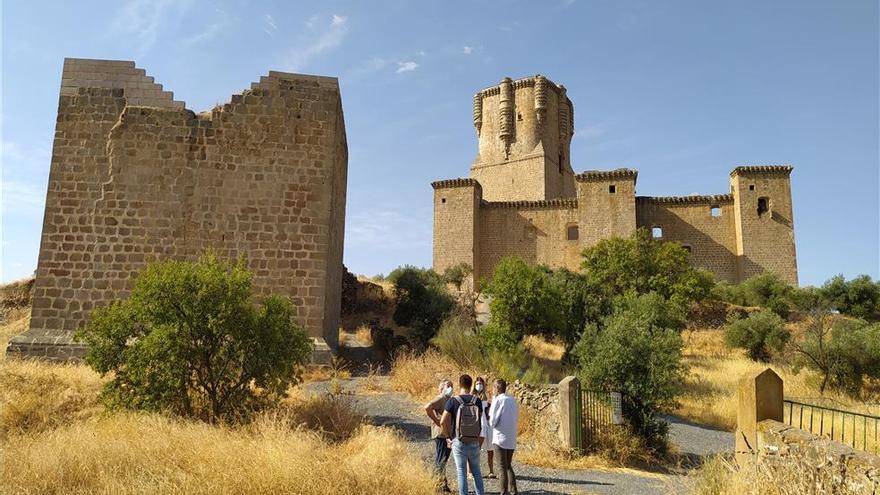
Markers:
(657, 232)
(715, 211)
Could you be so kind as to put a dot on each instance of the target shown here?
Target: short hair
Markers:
(465, 382)
(501, 385)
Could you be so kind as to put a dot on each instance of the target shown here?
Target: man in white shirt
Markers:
(503, 418)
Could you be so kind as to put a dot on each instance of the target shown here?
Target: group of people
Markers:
(473, 419)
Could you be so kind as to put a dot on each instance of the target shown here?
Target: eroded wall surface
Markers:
(135, 177)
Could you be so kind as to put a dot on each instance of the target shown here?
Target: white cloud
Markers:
(269, 26)
(144, 19)
(223, 21)
(423, 53)
(406, 66)
(325, 40)
(468, 50)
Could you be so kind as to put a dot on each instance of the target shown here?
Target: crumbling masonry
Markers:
(136, 177)
(523, 199)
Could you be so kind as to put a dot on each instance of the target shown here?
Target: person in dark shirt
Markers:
(464, 439)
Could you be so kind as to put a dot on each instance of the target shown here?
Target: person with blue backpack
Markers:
(462, 423)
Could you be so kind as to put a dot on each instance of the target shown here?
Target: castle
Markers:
(136, 177)
(523, 199)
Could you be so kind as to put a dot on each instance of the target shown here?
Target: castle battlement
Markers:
(523, 199)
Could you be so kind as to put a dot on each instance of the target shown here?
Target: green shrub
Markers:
(517, 364)
(190, 340)
(524, 302)
(422, 302)
(576, 304)
(766, 290)
(859, 297)
(458, 339)
(842, 352)
(636, 352)
(456, 275)
(640, 264)
(760, 334)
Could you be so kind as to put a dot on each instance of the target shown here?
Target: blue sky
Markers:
(683, 91)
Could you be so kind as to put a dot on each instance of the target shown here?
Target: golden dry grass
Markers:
(129, 453)
(419, 374)
(769, 476)
(37, 396)
(714, 371)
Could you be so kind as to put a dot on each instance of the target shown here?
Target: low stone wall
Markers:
(858, 471)
(542, 401)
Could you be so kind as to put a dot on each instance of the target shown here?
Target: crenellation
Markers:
(523, 199)
(136, 177)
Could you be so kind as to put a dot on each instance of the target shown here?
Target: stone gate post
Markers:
(759, 397)
(570, 412)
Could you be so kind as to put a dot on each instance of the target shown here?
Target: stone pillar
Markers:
(759, 397)
(570, 412)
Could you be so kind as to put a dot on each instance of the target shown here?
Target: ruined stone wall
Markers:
(136, 178)
(534, 231)
(853, 471)
(689, 220)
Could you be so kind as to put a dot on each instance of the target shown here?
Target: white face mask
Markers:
(447, 391)
(479, 387)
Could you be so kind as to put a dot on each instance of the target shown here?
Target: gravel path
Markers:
(397, 410)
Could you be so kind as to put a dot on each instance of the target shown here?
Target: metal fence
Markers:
(599, 412)
(861, 431)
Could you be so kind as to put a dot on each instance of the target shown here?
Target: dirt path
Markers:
(398, 411)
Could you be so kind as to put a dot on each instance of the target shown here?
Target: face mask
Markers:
(447, 392)
(479, 387)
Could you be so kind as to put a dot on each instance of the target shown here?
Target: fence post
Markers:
(759, 397)
(570, 412)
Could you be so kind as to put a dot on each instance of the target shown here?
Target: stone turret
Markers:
(524, 130)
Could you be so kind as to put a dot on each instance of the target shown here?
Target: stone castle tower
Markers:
(524, 130)
(523, 199)
(136, 177)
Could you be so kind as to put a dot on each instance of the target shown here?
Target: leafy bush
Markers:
(524, 302)
(517, 364)
(458, 340)
(759, 334)
(638, 353)
(576, 304)
(191, 341)
(456, 275)
(640, 264)
(859, 297)
(766, 290)
(843, 352)
(422, 301)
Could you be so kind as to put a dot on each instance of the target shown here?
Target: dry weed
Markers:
(37, 396)
(771, 476)
(129, 453)
(714, 372)
(372, 383)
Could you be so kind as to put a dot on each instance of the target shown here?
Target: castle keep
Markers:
(136, 177)
(523, 199)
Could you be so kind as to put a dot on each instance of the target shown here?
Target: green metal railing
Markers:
(598, 411)
(861, 431)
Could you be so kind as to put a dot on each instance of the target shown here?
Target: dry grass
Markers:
(37, 396)
(338, 369)
(548, 354)
(128, 453)
(336, 417)
(362, 335)
(771, 476)
(372, 383)
(711, 384)
(419, 374)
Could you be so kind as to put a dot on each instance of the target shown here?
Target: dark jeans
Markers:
(442, 455)
(508, 478)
